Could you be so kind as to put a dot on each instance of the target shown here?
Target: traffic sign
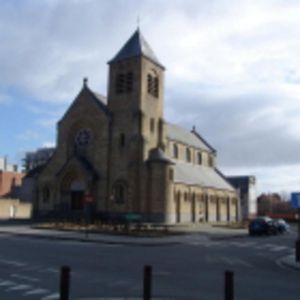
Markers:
(295, 200)
(88, 198)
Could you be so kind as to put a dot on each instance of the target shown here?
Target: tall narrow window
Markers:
(120, 82)
(156, 87)
(120, 192)
(46, 194)
(153, 84)
(152, 125)
(199, 158)
(175, 151)
(122, 140)
(210, 161)
(124, 83)
(188, 155)
(129, 82)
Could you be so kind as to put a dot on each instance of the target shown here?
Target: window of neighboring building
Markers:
(188, 155)
(199, 158)
(153, 84)
(152, 125)
(171, 174)
(120, 192)
(122, 140)
(175, 151)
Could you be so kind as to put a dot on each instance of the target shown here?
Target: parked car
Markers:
(282, 225)
(262, 225)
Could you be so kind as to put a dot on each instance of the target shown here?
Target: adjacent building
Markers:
(121, 151)
(34, 159)
(246, 187)
(10, 179)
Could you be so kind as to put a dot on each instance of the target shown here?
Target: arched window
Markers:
(152, 125)
(122, 140)
(120, 192)
(124, 83)
(120, 84)
(175, 151)
(210, 161)
(153, 84)
(185, 196)
(199, 158)
(129, 82)
(188, 155)
(46, 194)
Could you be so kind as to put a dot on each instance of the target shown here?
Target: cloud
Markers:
(5, 99)
(232, 68)
(272, 178)
(48, 145)
(28, 135)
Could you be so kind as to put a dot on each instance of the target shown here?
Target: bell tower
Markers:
(136, 94)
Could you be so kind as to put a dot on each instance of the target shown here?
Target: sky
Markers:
(232, 70)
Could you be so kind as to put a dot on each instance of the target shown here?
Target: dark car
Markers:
(262, 225)
(282, 225)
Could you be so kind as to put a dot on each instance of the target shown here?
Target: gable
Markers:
(87, 101)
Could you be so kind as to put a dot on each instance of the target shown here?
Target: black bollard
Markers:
(228, 285)
(64, 283)
(147, 282)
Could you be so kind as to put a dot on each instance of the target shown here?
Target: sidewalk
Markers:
(289, 261)
(204, 231)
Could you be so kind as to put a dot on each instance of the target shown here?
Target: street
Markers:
(191, 269)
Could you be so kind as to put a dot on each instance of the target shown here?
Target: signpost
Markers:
(295, 202)
(87, 201)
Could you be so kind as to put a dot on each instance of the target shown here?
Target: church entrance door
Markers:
(77, 200)
(77, 190)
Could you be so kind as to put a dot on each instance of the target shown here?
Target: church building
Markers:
(121, 152)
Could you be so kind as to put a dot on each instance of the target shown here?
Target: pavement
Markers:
(205, 231)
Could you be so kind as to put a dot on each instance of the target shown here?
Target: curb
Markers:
(88, 240)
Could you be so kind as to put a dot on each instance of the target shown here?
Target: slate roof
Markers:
(134, 47)
(101, 101)
(200, 175)
(187, 137)
(157, 155)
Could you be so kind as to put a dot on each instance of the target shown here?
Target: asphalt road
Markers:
(194, 269)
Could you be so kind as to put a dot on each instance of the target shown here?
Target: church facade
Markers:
(122, 153)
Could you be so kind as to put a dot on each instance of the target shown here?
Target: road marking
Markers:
(19, 287)
(51, 297)
(51, 270)
(36, 292)
(13, 262)
(265, 246)
(28, 278)
(209, 259)
(242, 262)
(279, 248)
(212, 244)
(6, 283)
(162, 273)
(243, 244)
(227, 260)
